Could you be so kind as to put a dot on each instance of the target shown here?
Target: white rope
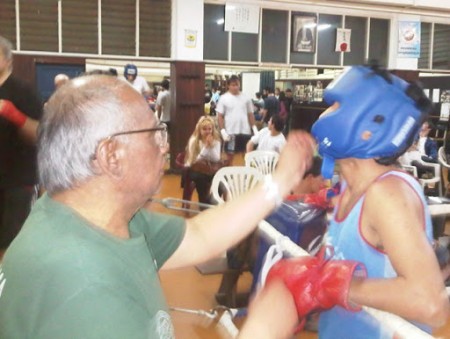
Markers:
(273, 255)
(402, 328)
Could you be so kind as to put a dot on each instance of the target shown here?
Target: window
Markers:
(119, 27)
(8, 20)
(215, 39)
(39, 26)
(441, 47)
(79, 26)
(379, 40)
(154, 28)
(357, 54)
(425, 43)
(326, 43)
(274, 36)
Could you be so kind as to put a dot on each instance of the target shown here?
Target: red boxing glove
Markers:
(317, 284)
(334, 283)
(299, 275)
(11, 113)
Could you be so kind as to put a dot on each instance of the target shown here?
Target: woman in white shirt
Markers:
(203, 156)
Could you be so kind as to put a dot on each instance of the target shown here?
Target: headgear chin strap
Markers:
(379, 116)
(130, 69)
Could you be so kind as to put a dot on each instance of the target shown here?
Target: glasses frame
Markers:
(161, 127)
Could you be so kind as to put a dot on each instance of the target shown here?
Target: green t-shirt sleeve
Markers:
(163, 233)
(97, 312)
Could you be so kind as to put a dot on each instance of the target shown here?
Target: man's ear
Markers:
(108, 159)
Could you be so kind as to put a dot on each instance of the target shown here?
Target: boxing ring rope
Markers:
(400, 326)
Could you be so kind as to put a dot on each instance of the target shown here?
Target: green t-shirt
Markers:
(65, 278)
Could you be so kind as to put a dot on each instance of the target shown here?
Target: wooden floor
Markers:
(187, 288)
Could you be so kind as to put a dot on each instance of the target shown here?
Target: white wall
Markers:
(187, 15)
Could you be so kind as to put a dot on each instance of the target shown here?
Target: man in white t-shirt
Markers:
(139, 83)
(269, 138)
(235, 117)
(163, 103)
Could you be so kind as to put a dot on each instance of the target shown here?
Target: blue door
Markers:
(45, 74)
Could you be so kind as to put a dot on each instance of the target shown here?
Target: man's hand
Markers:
(271, 314)
(295, 159)
(12, 114)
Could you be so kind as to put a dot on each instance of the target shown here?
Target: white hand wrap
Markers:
(272, 190)
(225, 135)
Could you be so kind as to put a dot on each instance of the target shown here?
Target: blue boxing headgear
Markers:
(130, 69)
(379, 116)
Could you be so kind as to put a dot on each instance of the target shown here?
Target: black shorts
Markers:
(238, 145)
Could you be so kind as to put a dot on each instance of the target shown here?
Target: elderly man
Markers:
(86, 262)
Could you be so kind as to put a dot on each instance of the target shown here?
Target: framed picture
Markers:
(304, 33)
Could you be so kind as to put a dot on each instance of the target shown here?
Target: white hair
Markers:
(76, 118)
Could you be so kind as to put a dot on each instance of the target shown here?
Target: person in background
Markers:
(235, 118)
(20, 111)
(215, 95)
(258, 103)
(204, 150)
(271, 106)
(289, 101)
(427, 146)
(60, 80)
(130, 73)
(269, 138)
(86, 261)
(283, 113)
(162, 107)
(277, 92)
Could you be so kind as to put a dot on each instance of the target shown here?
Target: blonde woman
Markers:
(203, 156)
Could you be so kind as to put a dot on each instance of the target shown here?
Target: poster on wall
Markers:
(190, 38)
(408, 39)
(343, 36)
(241, 18)
(304, 33)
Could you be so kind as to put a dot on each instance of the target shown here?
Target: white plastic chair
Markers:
(235, 180)
(264, 161)
(411, 170)
(436, 179)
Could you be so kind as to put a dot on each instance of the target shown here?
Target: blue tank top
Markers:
(345, 237)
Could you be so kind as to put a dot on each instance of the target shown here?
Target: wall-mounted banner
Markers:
(408, 39)
(241, 18)
(343, 36)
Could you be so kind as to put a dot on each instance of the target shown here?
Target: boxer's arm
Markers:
(26, 126)
(395, 215)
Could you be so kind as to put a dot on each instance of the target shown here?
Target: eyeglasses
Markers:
(160, 134)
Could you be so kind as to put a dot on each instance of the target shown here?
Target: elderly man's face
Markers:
(144, 158)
